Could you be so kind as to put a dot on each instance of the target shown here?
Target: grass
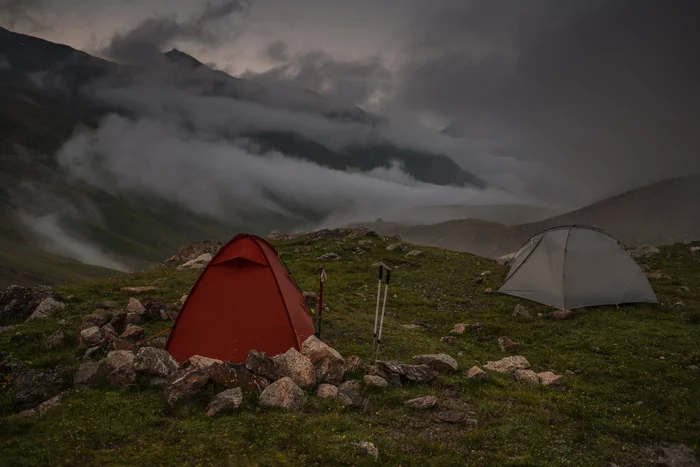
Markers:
(622, 401)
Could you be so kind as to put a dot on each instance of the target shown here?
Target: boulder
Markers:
(283, 393)
(477, 374)
(507, 345)
(375, 381)
(263, 365)
(192, 250)
(459, 328)
(202, 363)
(438, 362)
(452, 417)
(250, 382)
(158, 342)
(90, 336)
(421, 403)
(354, 364)
(55, 340)
(120, 358)
(91, 374)
(329, 257)
(296, 366)
(133, 333)
(396, 246)
(155, 362)
(350, 385)
(228, 399)
(527, 376)
(122, 376)
(414, 373)
(223, 374)
(97, 318)
(561, 315)
(41, 409)
(508, 364)
(119, 322)
(17, 303)
(94, 353)
(46, 308)
(184, 383)
(350, 398)
(327, 391)
(200, 262)
(548, 378)
(108, 329)
(134, 319)
(32, 387)
(135, 306)
(330, 365)
(521, 311)
(368, 448)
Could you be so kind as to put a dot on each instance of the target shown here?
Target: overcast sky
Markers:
(602, 92)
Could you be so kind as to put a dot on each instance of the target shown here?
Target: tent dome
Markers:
(576, 266)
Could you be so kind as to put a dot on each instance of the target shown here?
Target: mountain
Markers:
(662, 213)
(47, 91)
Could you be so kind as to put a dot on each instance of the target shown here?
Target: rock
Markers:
(396, 246)
(561, 315)
(46, 308)
(414, 253)
(302, 249)
(354, 364)
(184, 383)
(678, 305)
(452, 417)
(330, 365)
(368, 448)
(375, 381)
(118, 321)
(135, 306)
(32, 387)
(527, 376)
(350, 398)
(329, 257)
(224, 374)
(122, 376)
(192, 250)
(90, 336)
(508, 364)
(261, 364)
(644, 250)
(488, 291)
(412, 326)
(414, 373)
(228, 399)
(459, 328)
(134, 319)
(137, 290)
(155, 362)
(158, 342)
(478, 281)
(91, 374)
(133, 333)
(41, 409)
(548, 378)
(119, 358)
(108, 329)
(94, 353)
(6, 328)
(202, 363)
(283, 393)
(97, 318)
(250, 382)
(106, 305)
(438, 362)
(694, 368)
(350, 385)
(507, 345)
(55, 340)
(448, 339)
(520, 310)
(327, 391)
(296, 366)
(200, 262)
(421, 403)
(477, 374)
(676, 455)
(654, 275)
(366, 242)
(17, 303)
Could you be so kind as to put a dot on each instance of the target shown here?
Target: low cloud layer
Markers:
(26, 14)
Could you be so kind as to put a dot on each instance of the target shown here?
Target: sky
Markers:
(599, 95)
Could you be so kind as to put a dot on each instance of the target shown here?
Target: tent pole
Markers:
(322, 277)
(381, 322)
(376, 311)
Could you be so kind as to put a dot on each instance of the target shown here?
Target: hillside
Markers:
(657, 214)
(628, 399)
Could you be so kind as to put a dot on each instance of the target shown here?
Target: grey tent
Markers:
(576, 266)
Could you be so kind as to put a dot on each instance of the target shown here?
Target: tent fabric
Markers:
(245, 299)
(575, 266)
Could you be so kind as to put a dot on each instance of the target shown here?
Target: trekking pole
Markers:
(381, 322)
(376, 312)
(322, 278)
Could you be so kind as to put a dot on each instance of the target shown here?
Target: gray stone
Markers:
(122, 376)
(350, 385)
(548, 378)
(90, 336)
(155, 362)
(527, 376)
(32, 387)
(202, 363)
(135, 306)
(133, 333)
(644, 250)
(354, 364)
(368, 448)
(327, 391)
(414, 373)
(375, 381)
(283, 393)
(459, 328)
(91, 374)
(507, 345)
(17, 303)
(438, 362)
(41, 409)
(97, 318)
(46, 308)
(200, 262)
(330, 365)
(94, 353)
(422, 403)
(329, 257)
(184, 383)
(296, 366)
(350, 398)
(134, 318)
(414, 253)
(521, 311)
(120, 358)
(55, 340)
(508, 364)
(477, 374)
(263, 365)
(228, 399)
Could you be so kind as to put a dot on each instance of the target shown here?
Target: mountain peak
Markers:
(181, 58)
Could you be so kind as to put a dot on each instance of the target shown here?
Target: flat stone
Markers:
(438, 362)
(184, 383)
(137, 290)
(452, 417)
(527, 376)
(327, 391)
(375, 381)
(477, 374)
(283, 393)
(202, 363)
(422, 403)
(508, 364)
(228, 399)
(108, 305)
(548, 378)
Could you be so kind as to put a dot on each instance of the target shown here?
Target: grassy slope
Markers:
(625, 401)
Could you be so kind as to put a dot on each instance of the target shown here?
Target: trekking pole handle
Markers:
(381, 271)
(388, 275)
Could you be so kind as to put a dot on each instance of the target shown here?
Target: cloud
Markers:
(55, 239)
(145, 42)
(277, 51)
(27, 14)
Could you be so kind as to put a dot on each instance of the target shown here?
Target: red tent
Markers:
(245, 299)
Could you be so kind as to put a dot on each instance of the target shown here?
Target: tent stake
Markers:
(381, 322)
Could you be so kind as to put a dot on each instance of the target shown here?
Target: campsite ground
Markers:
(633, 389)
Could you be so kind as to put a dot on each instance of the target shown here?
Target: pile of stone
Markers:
(194, 250)
(519, 368)
(18, 303)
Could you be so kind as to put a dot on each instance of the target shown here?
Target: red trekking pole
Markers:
(322, 278)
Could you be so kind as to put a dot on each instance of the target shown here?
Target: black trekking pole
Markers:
(381, 322)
